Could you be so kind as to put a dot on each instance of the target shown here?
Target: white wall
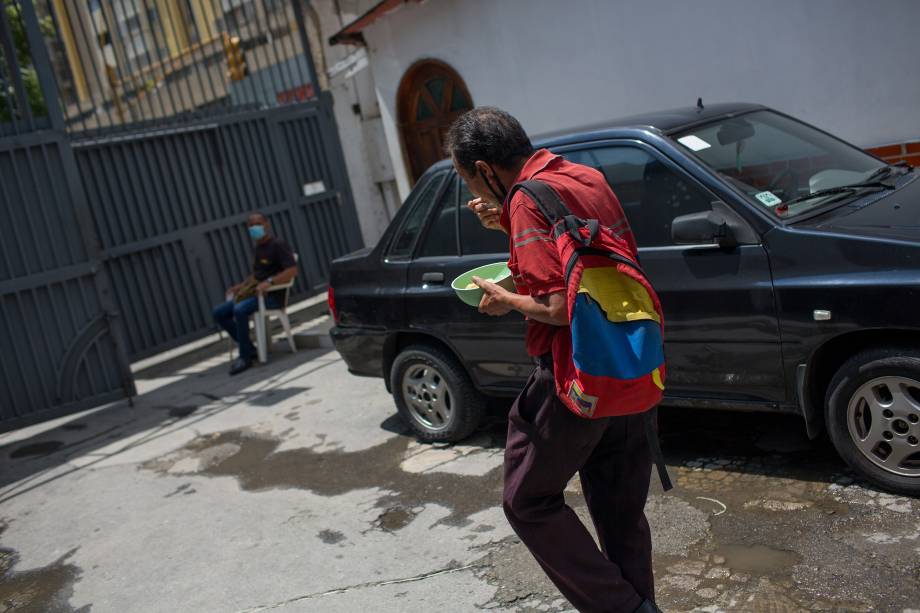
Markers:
(848, 66)
(363, 144)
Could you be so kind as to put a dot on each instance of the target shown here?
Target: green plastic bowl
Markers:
(498, 273)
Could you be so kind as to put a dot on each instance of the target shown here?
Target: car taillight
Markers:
(331, 300)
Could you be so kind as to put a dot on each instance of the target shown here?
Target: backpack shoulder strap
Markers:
(546, 199)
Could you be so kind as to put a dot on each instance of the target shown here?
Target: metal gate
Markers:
(170, 209)
(127, 177)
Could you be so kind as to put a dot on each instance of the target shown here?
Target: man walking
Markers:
(273, 264)
(548, 443)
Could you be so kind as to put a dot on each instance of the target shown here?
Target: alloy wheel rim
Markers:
(428, 397)
(883, 419)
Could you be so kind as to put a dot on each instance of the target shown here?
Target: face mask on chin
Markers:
(256, 233)
(501, 193)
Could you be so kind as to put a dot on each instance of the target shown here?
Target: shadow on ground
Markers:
(768, 443)
(183, 391)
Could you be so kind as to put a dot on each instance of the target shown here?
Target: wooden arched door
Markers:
(431, 96)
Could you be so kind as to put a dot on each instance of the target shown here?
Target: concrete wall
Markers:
(848, 66)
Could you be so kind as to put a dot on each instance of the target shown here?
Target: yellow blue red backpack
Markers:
(617, 365)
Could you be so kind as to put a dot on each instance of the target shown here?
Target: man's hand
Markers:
(495, 298)
(488, 215)
(262, 287)
(233, 290)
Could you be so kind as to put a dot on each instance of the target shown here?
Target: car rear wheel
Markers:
(435, 395)
(873, 417)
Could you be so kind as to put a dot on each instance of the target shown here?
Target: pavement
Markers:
(295, 487)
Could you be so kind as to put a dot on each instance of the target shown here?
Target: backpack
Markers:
(617, 365)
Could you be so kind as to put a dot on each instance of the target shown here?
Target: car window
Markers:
(412, 226)
(474, 239)
(651, 194)
(778, 160)
(441, 239)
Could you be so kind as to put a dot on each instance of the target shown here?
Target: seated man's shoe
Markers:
(239, 365)
(648, 606)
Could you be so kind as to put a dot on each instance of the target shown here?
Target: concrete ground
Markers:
(294, 487)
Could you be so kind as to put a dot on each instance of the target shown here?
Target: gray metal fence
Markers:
(61, 347)
(170, 208)
(135, 138)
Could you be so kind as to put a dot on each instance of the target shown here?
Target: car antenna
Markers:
(699, 103)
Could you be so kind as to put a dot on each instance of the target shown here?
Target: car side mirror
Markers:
(706, 228)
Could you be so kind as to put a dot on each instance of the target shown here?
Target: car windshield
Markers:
(783, 165)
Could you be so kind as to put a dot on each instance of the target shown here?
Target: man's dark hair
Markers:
(488, 134)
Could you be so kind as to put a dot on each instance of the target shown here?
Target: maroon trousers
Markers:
(547, 444)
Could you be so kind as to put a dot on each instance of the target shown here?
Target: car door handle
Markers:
(433, 277)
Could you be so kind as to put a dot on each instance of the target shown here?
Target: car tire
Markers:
(434, 395)
(873, 417)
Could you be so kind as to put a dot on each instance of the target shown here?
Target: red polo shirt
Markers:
(534, 259)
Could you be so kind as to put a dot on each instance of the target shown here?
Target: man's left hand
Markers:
(495, 299)
(262, 287)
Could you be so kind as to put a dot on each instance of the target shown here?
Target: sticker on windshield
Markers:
(694, 143)
(768, 198)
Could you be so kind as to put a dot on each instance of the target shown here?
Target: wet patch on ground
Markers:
(331, 537)
(278, 396)
(181, 411)
(37, 449)
(395, 518)
(253, 460)
(46, 448)
(38, 590)
(185, 489)
(782, 542)
(791, 529)
(758, 559)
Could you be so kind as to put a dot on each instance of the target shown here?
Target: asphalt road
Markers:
(296, 488)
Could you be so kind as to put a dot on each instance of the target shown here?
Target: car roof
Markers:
(664, 122)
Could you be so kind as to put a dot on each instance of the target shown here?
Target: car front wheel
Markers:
(873, 417)
(434, 395)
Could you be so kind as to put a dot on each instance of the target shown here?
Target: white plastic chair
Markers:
(261, 319)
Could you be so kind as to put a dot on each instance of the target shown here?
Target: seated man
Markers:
(273, 264)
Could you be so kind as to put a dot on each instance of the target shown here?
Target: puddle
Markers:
(37, 449)
(273, 397)
(758, 559)
(39, 590)
(395, 518)
(181, 412)
(252, 459)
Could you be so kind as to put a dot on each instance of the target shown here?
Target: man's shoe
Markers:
(239, 365)
(647, 606)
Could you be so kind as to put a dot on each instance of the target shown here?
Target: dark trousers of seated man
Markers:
(234, 318)
(547, 444)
